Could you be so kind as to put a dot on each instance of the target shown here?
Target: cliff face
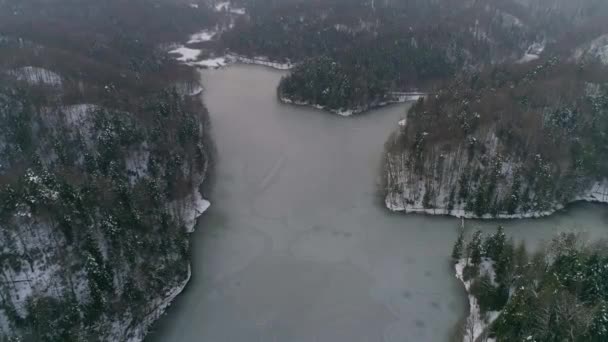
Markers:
(518, 141)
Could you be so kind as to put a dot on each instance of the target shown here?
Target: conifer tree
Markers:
(475, 248)
(458, 246)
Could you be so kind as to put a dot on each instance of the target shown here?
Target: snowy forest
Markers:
(520, 140)
(513, 138)
(354, 54)
(555, 293)
(103, 148)
(105, 145)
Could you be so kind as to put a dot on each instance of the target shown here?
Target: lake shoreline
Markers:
(393, 205)
(192, 213)
(350, 111)
(295, 201)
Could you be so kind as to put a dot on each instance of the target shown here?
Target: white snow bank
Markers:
(190, 56)
(188, 88)
(533, 53)
(227, 6)
(528, 57)
(260, 60)
(187, 210)
(536, 48)
(35, 75)
(239, 11)
(202, 36)
(186, 54)
(211, 62)
(222, 6)
(476, 323)
(341, 112)
(405, 97)
(597, 193)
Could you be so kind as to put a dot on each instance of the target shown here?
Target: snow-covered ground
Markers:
(216, 62)
(186, 54)
(190, 56)
(406, 192)
(597, 193)
(406, 96)
(397, 98)
(596, 49)
(532, 53)
(189, 209)
(227, 6)
(528, 57)
(202, 36)
(260, 60)
(36, 75)
(45, 274)
(476, 322)
(340, 112)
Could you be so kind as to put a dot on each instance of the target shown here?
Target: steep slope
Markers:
(103, 149)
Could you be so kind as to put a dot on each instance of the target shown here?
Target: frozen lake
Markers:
(297, 246)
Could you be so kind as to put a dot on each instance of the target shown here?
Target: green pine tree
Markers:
(475, 248)
(458, 246)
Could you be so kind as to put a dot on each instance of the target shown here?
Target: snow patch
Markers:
(401, 98)
(35, 75)
(222, 6)
(202, 36)
(341, 112)
(260, 60)
(190, 57)
(186, 54)
(533, 53)
(596, 49)
(217, 62)
(528, 58)
(187, 210)
(476, 322)
(598, 193)
(227, 6)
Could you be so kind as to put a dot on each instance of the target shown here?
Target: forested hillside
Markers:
(103, 147)
(557, 293)
(355, 54)
(512, 141)
(400, 46)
